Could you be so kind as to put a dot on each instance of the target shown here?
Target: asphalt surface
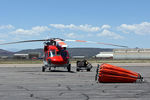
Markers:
(27, 82)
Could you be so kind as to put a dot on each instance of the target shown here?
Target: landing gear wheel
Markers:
(78, 70)
(43, 69)
(69, 67)
(49, 68)
(88, 70)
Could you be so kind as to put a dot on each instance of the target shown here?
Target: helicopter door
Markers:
(64, 54)
(58, 53)
(45, 56)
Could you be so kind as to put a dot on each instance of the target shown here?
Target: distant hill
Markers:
(30, 51)
(87, 52)
(5, 53)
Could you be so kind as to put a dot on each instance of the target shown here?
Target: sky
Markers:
(122, 22)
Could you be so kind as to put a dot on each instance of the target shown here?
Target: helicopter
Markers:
(55, 52)
(55, 55)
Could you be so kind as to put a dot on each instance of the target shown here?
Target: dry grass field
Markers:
(14, 61)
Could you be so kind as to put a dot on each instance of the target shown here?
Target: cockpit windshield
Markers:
(58, 53)
(52, 53)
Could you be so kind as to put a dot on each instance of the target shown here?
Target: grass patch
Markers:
(13, 61)
(113, 61)
(21, 61)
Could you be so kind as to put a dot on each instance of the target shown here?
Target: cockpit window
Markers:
(64, 54)
(52, 53)
(58, 53)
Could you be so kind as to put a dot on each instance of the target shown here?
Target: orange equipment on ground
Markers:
(107, 73)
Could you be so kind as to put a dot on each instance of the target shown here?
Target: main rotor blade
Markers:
(24, 41)
(97, 43)
(54, 39)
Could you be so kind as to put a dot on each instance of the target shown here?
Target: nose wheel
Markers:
(43, 68)
(69, 67)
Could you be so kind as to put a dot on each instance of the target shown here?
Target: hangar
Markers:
(104, 55)
(27, 56)
(21, 56)
(131, 54)
(125, 54)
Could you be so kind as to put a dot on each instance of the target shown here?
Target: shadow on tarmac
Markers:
(60, 71)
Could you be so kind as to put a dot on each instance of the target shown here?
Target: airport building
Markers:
(104, 55)
(27, 56)
(21, 56)
(78, 57)
(131, 54)
(4, 57)
(34, 55)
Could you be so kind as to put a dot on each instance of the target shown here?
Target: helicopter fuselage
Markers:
(55, 55)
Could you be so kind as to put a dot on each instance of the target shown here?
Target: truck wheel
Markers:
(88, 70)
(77, 70)
(69, 67)
(49, 68)
(43, 69)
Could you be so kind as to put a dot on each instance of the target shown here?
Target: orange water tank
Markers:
(107, 73)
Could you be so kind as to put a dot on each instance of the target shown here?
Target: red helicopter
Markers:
(55, 53)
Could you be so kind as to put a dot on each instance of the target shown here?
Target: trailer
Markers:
(83, 65)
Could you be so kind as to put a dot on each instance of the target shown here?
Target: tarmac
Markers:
(28, 82)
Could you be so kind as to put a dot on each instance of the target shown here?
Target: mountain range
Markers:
(87, 52)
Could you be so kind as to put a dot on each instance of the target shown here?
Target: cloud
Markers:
(2, 40)
(7, 26)
(2, 35)
(107, 33)
(34, 31)
(86, 27)
(106, 27)
(141, 29)
(71, 35)
(90, 35)
(74, 35)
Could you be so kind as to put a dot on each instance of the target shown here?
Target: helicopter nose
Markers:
(57, 59)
